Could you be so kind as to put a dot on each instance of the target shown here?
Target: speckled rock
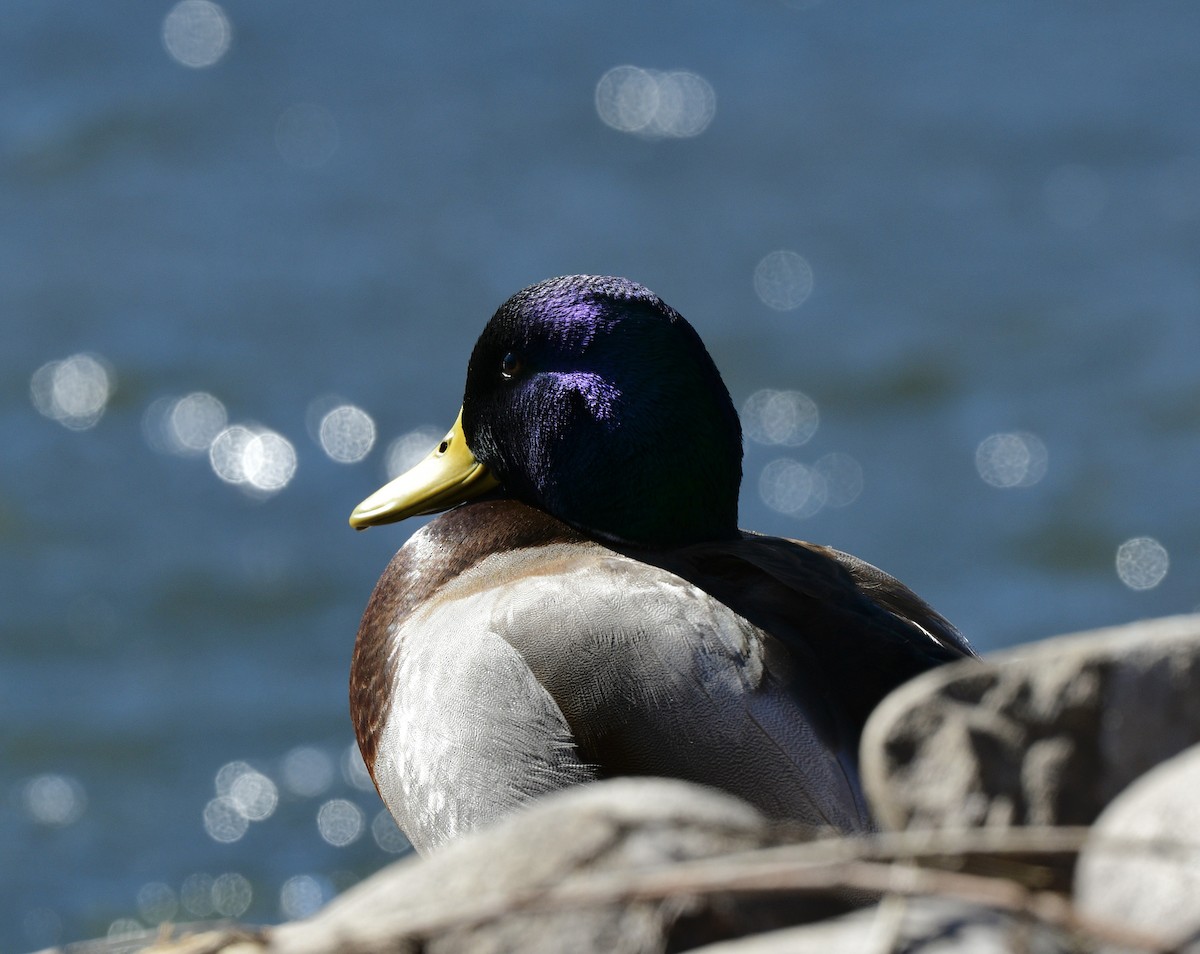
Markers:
(1046, 733)
(488, 892)
(1140, 868)
(928, 925)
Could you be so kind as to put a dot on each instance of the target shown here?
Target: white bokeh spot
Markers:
(1142, 563)
(655, 104)
(197, 33)
(783, 280)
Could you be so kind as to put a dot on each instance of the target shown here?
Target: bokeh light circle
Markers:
(780, 417)
(340, 822)
(300, 896)
(409, 449)
(156, 903)
(54, 800)
(194, 422)
(783, 280)
(270, 461)
(307, 771)
(74, 391)
(255, 796)
(196, 895)
(224, 821)
(843, 477)
(346, 434)
(1142, 563)
(1012, 459)
(675, 104)
(686, 105)
(792, 488)
(196, 33)
(626, 98)
(255, 458)
(231, 894)
(387, 834)
(227, 453)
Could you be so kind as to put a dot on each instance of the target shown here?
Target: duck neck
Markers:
(652, 482)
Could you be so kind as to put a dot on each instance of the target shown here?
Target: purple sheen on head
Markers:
(618, 423)
(580, 307)
(600, 395)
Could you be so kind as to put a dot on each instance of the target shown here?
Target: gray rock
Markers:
(1140, 868)
(488, 892)
(1044, 734)
(928, 925)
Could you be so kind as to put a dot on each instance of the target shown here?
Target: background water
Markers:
(992, 215)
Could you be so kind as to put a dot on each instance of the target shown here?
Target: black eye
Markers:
(510, 366)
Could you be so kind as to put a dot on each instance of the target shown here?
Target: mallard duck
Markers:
(589, 607)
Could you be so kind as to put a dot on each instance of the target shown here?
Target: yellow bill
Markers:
(448, 476)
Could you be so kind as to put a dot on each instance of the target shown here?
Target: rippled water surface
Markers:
(945, 255)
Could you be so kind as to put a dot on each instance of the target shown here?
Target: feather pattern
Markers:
(597, 612)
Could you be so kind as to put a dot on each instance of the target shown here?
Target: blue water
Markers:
(1001, 211)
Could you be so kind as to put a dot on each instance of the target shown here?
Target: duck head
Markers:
(591, 399)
